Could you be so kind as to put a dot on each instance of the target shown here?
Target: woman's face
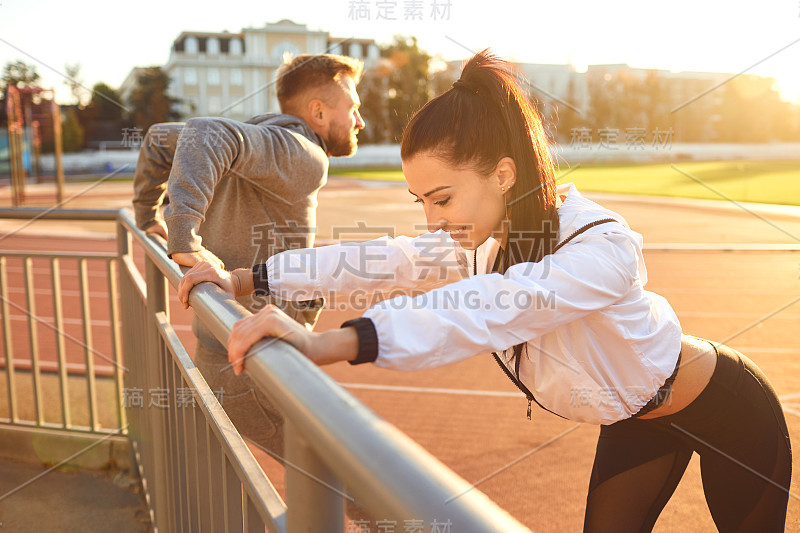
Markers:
(469, 206)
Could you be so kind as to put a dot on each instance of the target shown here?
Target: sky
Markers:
(108, 39)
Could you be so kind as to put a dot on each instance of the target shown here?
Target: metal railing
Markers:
(198, 473)
(56, 324)
(62, 356)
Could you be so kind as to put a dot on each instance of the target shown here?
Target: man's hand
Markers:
(204, 271)
(157, 228)
(190, 259)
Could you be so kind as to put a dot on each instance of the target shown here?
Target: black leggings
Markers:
(737, 427)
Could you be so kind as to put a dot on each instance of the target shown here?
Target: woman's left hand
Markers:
(269, 322)
(322, 348)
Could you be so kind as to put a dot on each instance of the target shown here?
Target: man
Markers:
(221, 174)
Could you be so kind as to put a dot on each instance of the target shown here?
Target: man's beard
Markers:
(341, 142)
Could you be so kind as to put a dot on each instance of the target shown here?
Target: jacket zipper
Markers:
(528, 394)
(518, 383)
(524, 389)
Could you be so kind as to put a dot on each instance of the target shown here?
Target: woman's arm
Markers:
(363, 273)
(494, 312)
(368, 271)
(475, 315)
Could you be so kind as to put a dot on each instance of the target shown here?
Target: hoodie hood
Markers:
(290, 122)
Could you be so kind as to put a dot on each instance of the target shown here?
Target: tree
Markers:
(149, 101)
(658, 102)
(567, 118)
(601, 99)
(372, 89)
(617, 99)
(393, 90)
(72, 131)
(751, 110)
(102, 118)
(75, 83)
(19, 74)
(409, 82)
(443, 74)
(105, 103)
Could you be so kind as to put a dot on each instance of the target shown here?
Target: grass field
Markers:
(773, 182)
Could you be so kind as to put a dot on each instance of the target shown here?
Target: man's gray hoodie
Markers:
(242, 190)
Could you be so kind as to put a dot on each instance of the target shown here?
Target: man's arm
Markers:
(152, 171)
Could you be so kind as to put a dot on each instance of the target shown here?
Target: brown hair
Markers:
(484, 117)
(306, 72)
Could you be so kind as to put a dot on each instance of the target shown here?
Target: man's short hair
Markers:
(307, 72)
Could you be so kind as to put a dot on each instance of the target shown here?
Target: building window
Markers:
(191, 45)
(189, 76)
(213, 76)
(283, 48)
(190, 107)
(356, 50)
(214, 104)
(335, 48)
(235, 47)
(212, 45)
(373, 52)
(236, 76)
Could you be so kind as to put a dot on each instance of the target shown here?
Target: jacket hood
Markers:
(290, 122)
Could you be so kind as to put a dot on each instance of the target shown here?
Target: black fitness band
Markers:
(260, 280)
(367, 340)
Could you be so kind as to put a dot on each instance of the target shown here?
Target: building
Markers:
(233, 74)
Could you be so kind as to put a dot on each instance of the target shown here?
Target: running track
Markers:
(468, 414)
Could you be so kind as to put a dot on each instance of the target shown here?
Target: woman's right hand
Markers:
(204, 271)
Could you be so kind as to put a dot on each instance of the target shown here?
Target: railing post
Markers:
(124, 244)
(91, 388)
(157, 302)
(314, 495)
(8, 345)
(124, 240)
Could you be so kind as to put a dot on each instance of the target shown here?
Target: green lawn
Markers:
(774, 182)
(379, 174)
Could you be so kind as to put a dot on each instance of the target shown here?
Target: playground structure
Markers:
(21, 115)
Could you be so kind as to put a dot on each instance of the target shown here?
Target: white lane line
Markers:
(709, 314)
(434, 390)
(793, 408)
(792, 411)
(766, 349)
(790, 406)
(717, 290)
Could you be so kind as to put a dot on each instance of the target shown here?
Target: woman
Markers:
(556, 285)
